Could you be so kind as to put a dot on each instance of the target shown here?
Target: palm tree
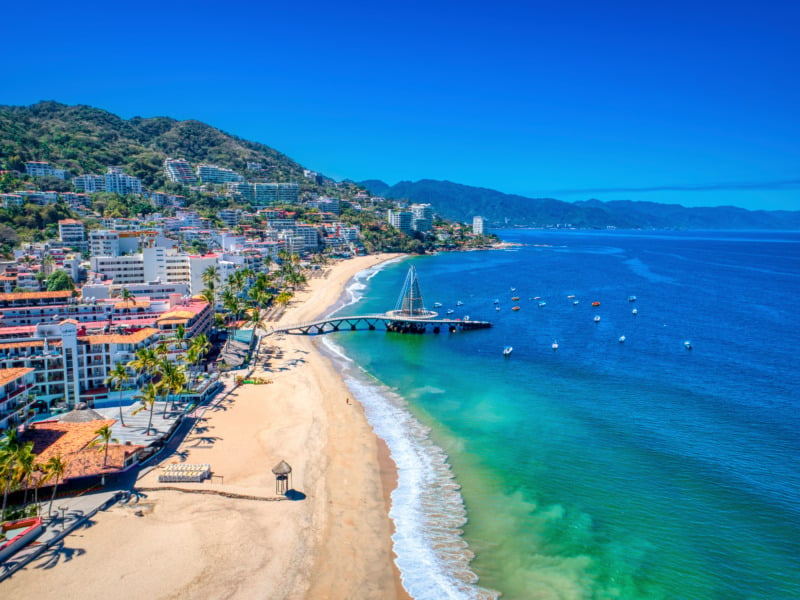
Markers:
(118, 377)
(144, 363)
(54, 467)
(174, 381)
(9, 450)
(210, 276)
(180, 336)
(127, 295)
(26, 466)
(148, 399)
(103, 439)
(283, 298)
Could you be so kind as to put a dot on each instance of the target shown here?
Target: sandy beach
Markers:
(333, 543)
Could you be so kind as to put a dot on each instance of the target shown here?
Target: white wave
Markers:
(427, 508)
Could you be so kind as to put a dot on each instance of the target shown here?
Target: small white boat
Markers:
(635, 311)
(496, 301)
(631, 298)
(507, 350)
(513, 289)
(571, 297)
(576, 302)
(497, 308)
(597, 318)
(437, 305)
(555, 345)
(541, 304)
(622, 339)
(459, 303)
(450, 311)
(687, 344)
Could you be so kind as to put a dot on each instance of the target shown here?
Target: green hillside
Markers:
(83, 139)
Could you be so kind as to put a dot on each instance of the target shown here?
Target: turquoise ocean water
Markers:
(603, 469)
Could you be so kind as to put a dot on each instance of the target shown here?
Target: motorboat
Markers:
(515, 298)
(515, 308)
(459, 303)
(497, 308)
(687, 344)
(576, 302)
(571, 297)
(555, 345)
(635, 311)
(513, 289)
(537, 297)
(541, 304)
(507, 350)
(496, 301)
(622, 339)
(597, 318)
(595, 303)
(450, 311)
(437, 305)
(631, 298)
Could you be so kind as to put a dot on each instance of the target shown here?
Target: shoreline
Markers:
(336, 542)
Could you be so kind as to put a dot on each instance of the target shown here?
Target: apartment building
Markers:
(15, 397)
(106, 242)
(422, 217)
(71, 231)
(121, 270)
(89, 184)
(402, 220)
(215, 174)
(266, 194)
(44, 169)
(478, 226)
(179, 171)
(117, 182)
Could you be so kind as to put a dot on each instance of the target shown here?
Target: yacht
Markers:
(622, 339)
(555, 345)
(635, 311)
(631, 298)
(687, 344)
(507, 350)
(459, 303)
(437, 305)
(597, 318)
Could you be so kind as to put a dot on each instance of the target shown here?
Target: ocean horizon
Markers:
(652, 455)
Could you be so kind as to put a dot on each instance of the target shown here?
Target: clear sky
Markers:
(696, 103)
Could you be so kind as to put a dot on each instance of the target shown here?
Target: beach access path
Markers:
(334, 542)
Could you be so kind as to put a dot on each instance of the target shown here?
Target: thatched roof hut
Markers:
(282, 468)
(283, 474)
(81, 414)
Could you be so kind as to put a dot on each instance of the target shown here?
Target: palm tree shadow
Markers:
(58, 553)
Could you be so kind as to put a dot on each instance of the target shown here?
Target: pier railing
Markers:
(371, 322)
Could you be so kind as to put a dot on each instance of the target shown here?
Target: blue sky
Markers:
(692, 103)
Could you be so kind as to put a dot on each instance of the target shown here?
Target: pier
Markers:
(408, 316)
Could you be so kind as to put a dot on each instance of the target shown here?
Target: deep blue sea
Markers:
(601, 469)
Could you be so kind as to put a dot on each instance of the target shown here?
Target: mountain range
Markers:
(459, 202)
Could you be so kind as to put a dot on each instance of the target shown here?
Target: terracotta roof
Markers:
(71, 442)
(35, 295)
(28, 344)
(120, 338)
(140, 303)
(9, 375)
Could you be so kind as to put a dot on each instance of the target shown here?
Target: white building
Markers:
(71, 231)
(423, 217)
(43, 169)
(117, 182)
(478, 226)
(402, 220)
(215, 174)
(179, 171)
(122, 270)
(89, 183)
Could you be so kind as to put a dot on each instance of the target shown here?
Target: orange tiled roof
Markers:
(9, 375)
(34, 295)
(27, 344)
(71, 442)
(120, 338)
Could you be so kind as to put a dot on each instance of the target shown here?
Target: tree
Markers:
(60, 280)
(26, 466)
(148, 399)
(118, 377)
(54, 468)
(127, 296)
(144, 363)
(104, 439)
(9, 450)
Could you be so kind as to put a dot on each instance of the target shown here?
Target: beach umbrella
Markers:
(282, 473)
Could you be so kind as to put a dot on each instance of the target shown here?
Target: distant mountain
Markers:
(462, 202)
(84, 139)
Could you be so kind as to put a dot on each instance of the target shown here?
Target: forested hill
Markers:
(83, 139)
(462, 202)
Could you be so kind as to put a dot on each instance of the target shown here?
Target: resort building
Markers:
(266, 194)
(179, 171)
(215, 174)
(402, 220)
(44, 169)
(422, 217)
(478, 227)
(71, 231)
(89, 184)
(105, 242)
(117, 182)
(122, 270)
(15, 398)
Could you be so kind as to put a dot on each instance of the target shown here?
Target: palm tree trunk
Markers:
(121, 420)
(5, 492)
(52, 497)
(105, 456)
(150, 419)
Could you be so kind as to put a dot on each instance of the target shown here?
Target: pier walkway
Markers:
(394, 323)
